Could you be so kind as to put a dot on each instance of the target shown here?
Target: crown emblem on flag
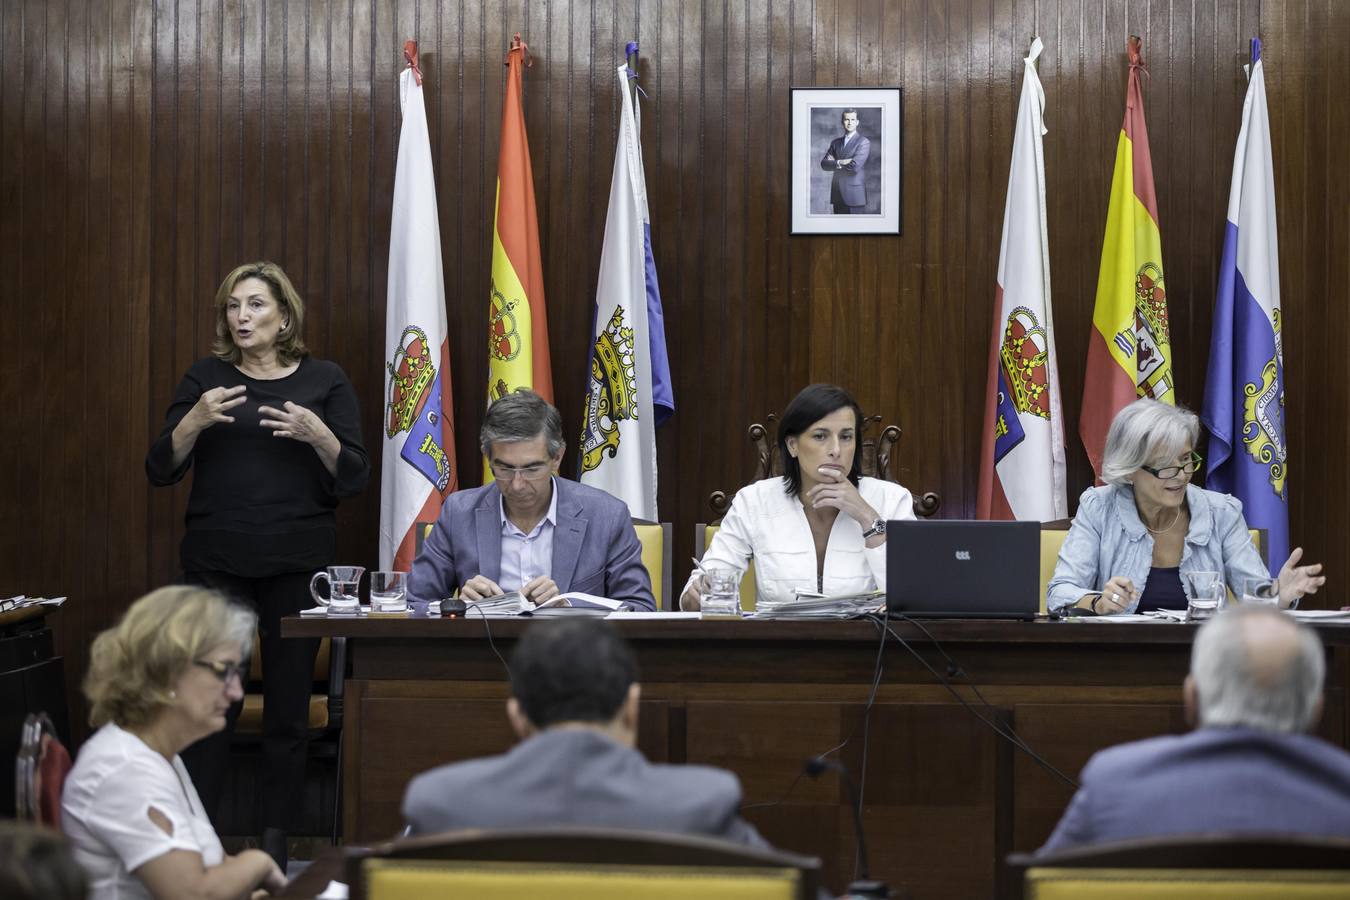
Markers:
(503, 335)
(612, 393)
(1025, 352)
(410, 373)
(1150, 300)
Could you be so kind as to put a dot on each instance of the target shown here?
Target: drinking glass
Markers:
(1207, 591)
(1261, 590)
(388, 592)
(719, 591)
(344, 586)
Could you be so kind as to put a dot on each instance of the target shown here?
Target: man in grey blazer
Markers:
(1254, 688)
(530, 530)
(846, 158)
(575, 709)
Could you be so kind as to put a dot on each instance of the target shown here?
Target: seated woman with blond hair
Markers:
(1136, 538)
(159, 680)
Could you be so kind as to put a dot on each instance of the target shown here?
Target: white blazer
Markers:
(766, 525)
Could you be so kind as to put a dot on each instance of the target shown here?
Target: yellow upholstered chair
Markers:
(1257, 867)
(576, 864)
(655, 538)
(703, 535)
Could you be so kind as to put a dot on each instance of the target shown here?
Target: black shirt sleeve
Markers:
(159, 461)
(343, 417)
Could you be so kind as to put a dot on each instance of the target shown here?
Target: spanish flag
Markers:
(517, 325)
(1129, 351)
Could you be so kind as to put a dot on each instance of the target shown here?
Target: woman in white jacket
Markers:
(822, 525)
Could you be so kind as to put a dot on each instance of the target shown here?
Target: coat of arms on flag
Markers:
(612, 394)
(415, 405)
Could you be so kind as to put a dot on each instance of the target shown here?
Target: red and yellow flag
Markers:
(1129, 351)
(517, 325)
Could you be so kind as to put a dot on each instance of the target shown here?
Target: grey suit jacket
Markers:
(849, 186)
(595, 549)
(1212, 779)
(577, 776)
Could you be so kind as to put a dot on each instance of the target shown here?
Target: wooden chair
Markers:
(876, 462)
(1234, 867)
(325, 709)
(40, 770)
(655, 538)
(571, 863)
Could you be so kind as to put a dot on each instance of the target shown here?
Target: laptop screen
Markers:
(963, 569)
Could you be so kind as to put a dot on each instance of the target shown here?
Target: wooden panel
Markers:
(150, 145)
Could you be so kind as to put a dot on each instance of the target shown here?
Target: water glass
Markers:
(388, 592)
(1207, 592)
(1261, 590)
(719, 591)
(344, 589)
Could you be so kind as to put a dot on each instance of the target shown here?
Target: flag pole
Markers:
(631, 52)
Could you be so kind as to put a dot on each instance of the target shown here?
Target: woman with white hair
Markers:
(1136, 538)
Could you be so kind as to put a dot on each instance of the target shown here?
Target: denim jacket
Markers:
(1108, 538)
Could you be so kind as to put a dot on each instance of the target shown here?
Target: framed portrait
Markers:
(846, 156)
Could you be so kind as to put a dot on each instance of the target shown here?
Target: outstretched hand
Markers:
(1296, 581)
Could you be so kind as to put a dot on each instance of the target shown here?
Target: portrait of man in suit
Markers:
(847, 158)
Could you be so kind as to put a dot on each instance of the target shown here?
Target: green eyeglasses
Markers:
(1189, 466)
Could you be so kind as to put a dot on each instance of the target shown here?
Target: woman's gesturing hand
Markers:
(214, 405)
(295, 422)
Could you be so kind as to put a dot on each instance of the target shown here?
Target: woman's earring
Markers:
(173, 695)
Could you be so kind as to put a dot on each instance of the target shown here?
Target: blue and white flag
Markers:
(1244, 389)
(628, 384)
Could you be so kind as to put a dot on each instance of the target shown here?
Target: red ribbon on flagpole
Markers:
(410, 54)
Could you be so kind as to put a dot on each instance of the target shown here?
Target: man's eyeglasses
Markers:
(1189, 466)
(532, 472)
(222, 670)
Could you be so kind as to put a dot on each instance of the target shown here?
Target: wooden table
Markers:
(945, 797)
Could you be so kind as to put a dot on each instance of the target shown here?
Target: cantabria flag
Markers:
(629, 392)
(419, 434)
(1022, 453)
(1129, 349)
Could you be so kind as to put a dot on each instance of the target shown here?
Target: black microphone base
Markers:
(869, 889)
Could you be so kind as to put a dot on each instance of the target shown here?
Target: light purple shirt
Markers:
(527, 556)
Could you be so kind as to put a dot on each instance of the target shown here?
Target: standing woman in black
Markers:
(275, 437)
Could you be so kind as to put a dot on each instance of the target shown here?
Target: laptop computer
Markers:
(963, 569)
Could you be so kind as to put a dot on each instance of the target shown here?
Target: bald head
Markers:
(1255, 666)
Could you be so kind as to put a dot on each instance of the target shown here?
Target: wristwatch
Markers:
(878, 527)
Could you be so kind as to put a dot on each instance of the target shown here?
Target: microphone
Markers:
(864, 886)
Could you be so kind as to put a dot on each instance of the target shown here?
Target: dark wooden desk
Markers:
(945, 797)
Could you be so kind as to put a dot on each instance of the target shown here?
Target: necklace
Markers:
(1169, 526)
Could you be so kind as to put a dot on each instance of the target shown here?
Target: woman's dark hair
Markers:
(36, 864)
(571, 670)
(813, 403)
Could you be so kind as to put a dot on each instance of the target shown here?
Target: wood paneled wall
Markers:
(148, 147)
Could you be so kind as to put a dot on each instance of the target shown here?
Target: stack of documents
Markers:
(808, 605)
(513, 603)
(21, 601)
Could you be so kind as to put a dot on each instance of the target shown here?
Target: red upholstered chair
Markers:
(40, 771)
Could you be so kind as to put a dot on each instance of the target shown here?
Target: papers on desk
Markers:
(809, 605)
(513, 603)
(630, 615)
(1130, 617)
(1321, 615)
(22, 601)
(336, 890)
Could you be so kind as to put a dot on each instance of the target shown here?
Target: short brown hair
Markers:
(134, 665)
(290, 348)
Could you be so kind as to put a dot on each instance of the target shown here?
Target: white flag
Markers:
(629, 391)
(1022, 459)
(419, 447)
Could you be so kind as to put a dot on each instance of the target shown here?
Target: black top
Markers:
(261, 505)
(1163, 590)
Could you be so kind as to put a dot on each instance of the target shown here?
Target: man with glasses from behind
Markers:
(529, 530)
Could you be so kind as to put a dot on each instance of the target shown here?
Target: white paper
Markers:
(637, 616)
